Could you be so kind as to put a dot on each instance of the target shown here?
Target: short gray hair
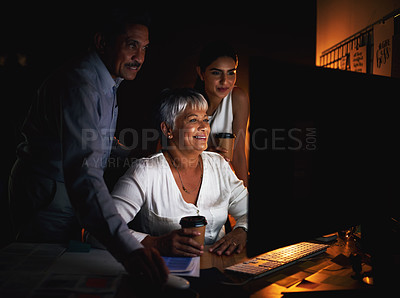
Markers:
(173, 102)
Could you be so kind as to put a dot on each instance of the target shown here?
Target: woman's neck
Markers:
(213, 103)
(183, 160)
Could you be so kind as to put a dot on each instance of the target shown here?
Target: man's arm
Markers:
(89, 195)
(83, 173)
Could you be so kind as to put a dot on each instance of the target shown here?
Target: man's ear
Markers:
(99, 42)
(199, 73)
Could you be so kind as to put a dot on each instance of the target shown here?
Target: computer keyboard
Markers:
(277, 259)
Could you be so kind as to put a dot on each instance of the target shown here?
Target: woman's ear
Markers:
(198, 69)
(166, 130)
(99, 42)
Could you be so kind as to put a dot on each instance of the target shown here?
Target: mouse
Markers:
(177, 282)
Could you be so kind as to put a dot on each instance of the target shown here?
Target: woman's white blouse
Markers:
(148, 186)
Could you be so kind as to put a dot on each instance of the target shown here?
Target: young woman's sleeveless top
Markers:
(222, 119)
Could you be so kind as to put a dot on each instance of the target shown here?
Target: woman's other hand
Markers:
(234, 241)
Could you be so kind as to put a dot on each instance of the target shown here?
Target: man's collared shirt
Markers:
(68, 137)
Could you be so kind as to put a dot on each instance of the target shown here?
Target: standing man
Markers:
(56, 186)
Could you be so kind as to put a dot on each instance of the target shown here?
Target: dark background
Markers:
(48, 36)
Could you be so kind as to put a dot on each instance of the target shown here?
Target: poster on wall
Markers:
(358, 59)
(344, 62)
(383, 48)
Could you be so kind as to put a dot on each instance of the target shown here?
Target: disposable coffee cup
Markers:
(226, 140)
(197, 223)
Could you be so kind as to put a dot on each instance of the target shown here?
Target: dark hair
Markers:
(211, 52)
(113, 22)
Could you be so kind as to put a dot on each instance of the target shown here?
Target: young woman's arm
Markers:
(241, 112)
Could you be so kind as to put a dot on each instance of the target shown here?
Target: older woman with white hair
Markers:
(183, 180)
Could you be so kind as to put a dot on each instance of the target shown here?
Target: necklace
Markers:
(179, 175)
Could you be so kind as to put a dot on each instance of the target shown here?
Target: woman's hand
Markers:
(177, 243)
(219, 150)
(234, 241)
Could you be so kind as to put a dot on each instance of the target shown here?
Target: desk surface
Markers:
(44, 267)
(210, 260)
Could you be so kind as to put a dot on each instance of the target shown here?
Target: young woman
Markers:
(228, 105)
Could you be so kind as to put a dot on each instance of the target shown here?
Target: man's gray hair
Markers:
(175, 101)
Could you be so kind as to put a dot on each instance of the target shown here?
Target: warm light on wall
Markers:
(339, 19)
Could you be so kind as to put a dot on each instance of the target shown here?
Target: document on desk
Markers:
(96, 262)
(183, 266)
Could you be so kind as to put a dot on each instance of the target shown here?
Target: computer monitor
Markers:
(322, 148)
